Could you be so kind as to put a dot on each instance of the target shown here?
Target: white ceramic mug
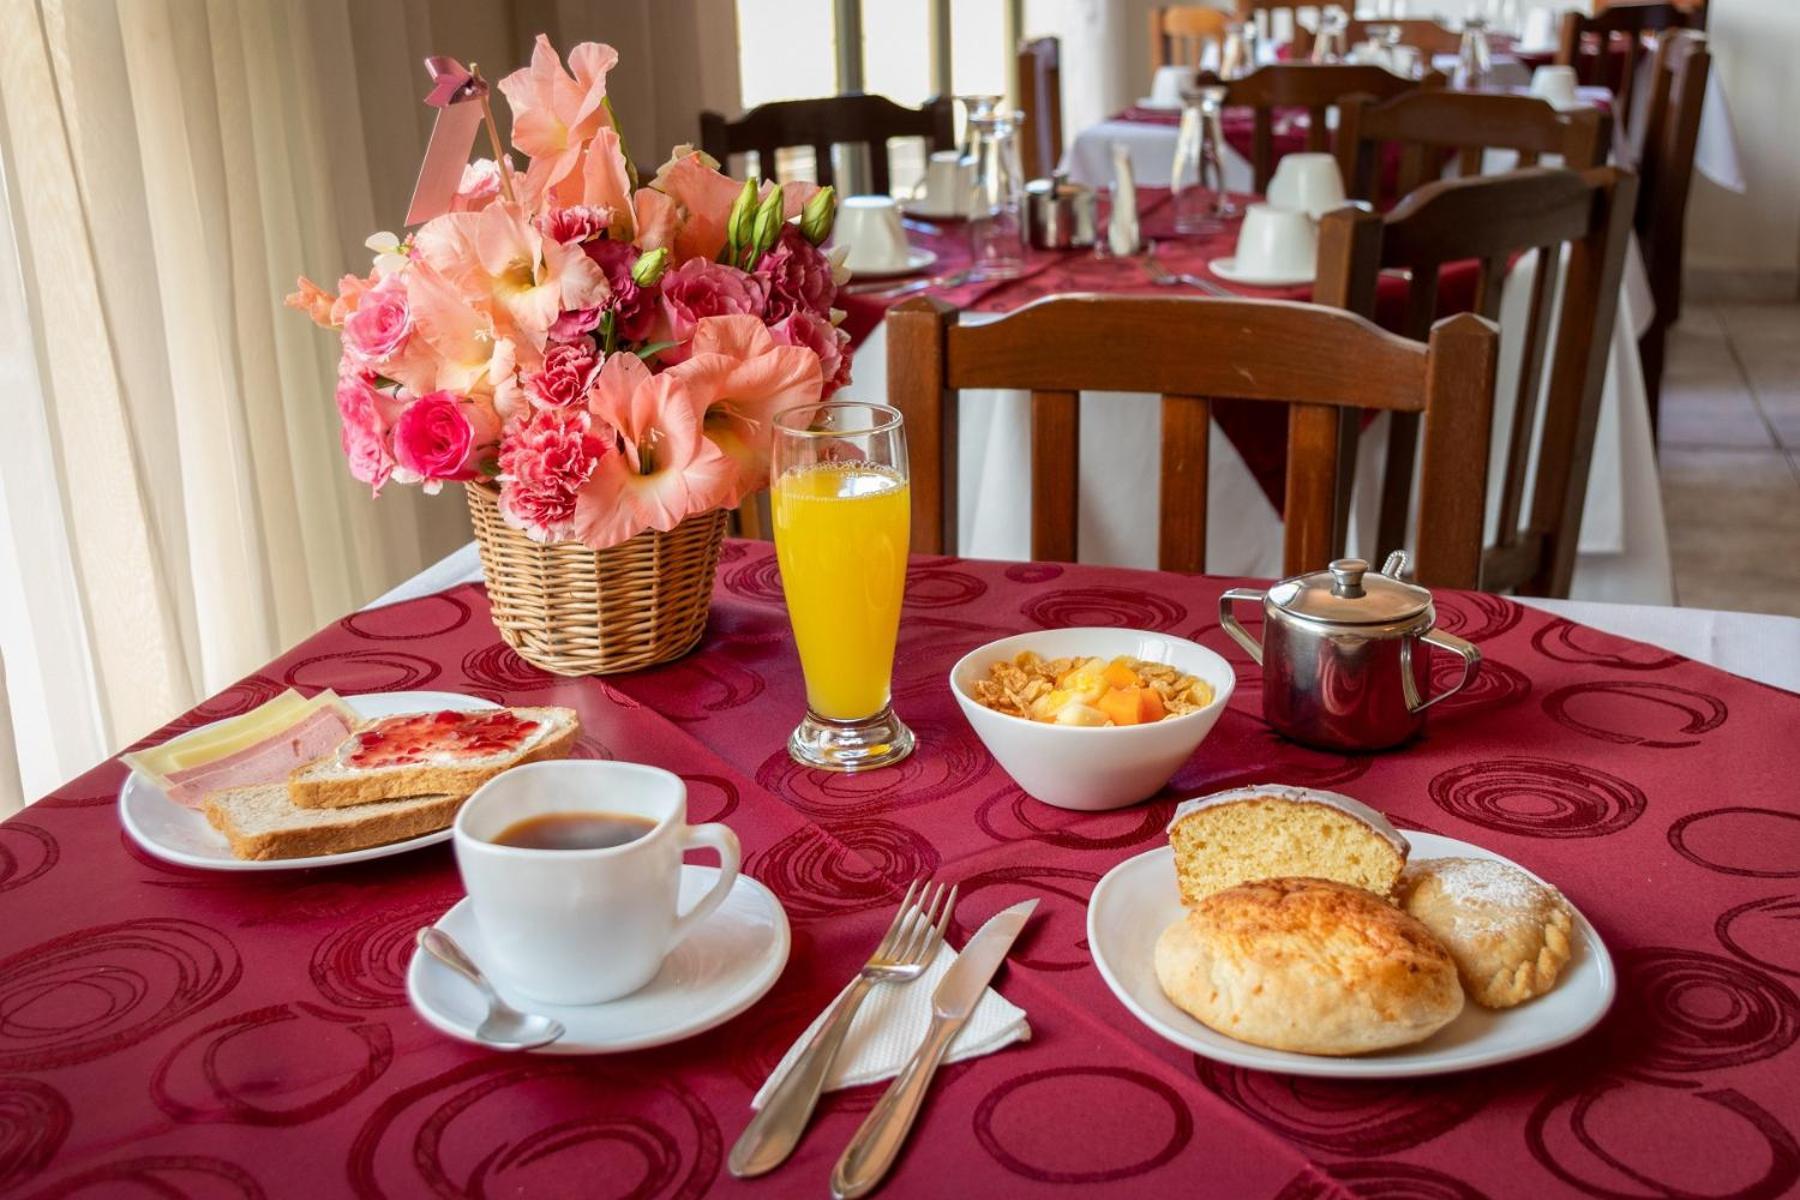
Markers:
(1309, 183)
(1405, 61)
(1557, 85)
(1276, 243)
(944, 191)
(584, 926)
(870, 227)
(1168, 83)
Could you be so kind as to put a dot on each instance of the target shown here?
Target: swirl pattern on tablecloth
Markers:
(590, 747)
(486, 1128)
(1538, 797)
(362, 964)
(1475, 616)
(1123, 608)
(1706, 1143)
(354, 671)
(710, 798)
(1119, 1122)
(1387, 1180)
(26, 852)
(219, 1072)
(1495, 685)
(1033, 573)
(1765, 932)
(426, 617)
(1009, 815)
(1687, 1012)
(703, 685)
(959, 763)
(499, 666)
(1273, 759)
(1565, 641)
(864, 863)
(1763, 843)
(932, 586)
(757, 579)
(34, 1121)
(89, 992)
(187, 1176)
(1674, 716)
(1057, 937)
(1361, 1119)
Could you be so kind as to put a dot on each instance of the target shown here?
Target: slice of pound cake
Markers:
(1271, 830)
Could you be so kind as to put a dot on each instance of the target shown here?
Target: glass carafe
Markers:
(1197, 177)
(996, 196)
(1475, 60)
(1238, 58)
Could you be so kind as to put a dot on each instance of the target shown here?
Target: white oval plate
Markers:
(917, 260)
(1226, 268)
(166, 830)
(727, 964)
(1137, 900)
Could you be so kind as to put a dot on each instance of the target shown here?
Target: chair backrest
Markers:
(857, 119)
(1670, 131)
(1605, 49)
(1178, 31)
(1493, 220)
(1315, 360)
(1315, 87)
(1040, 99)
(1427, 124)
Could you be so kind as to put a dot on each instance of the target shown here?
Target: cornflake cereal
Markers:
(1089, 691)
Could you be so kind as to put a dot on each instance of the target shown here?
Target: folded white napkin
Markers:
(892, 1022)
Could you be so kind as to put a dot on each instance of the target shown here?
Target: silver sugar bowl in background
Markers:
(1059, 215)
(1343, 654)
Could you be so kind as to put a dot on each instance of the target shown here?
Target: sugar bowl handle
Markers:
(1229, 622)
(1467, 651)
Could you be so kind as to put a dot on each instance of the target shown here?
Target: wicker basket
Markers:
(576, 611)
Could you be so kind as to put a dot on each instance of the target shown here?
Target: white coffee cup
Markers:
(584, 926)
(944, 191)
(1276, 243)
(1309, 183)
(870, 227)
(1168, 83)
(1556, 84)
(1404, 61)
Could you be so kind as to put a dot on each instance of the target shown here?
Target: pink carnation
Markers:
(380, 324)
(700, 288)
(798, 275)
(479, 187)
(436, 439)
(576, 223)
(633, 307)
(824, 339)
(543, 465)
(564, 378)
(361, 433)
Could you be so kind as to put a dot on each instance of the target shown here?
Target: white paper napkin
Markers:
(892, 1022)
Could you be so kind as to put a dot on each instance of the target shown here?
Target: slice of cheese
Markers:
(218, 741)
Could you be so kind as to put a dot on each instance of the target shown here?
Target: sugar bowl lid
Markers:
(1348, 593)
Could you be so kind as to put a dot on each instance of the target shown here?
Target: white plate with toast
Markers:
(166, 830)
(1138, 899)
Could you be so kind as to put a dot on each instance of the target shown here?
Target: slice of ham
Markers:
(267, 761)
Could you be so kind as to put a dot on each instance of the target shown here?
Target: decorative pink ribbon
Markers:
(452, 137)
(452, 82)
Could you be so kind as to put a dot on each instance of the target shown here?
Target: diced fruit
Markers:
(1120, 675)
(1122, 705)
(1150, 706)
(1080, 714)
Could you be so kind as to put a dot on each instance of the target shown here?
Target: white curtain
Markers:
(173, 506)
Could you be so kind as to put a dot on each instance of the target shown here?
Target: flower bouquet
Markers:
(595, 358)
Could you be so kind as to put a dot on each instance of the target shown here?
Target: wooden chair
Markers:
(1314, 87)
(1315, 360)
(1427, 35)
(1177, 32)
(1588, 43)
(857, 119)
(1492, 220)
(1429, 124)
(1040, 99)
(1665, 156)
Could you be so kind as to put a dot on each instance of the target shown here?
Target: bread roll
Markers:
(1271, 830)
(1508, 933)
(1308, 965)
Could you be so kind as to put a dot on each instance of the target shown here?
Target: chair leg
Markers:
(1396, 483)
(1651, 349)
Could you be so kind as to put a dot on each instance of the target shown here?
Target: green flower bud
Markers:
(819, 215)
(738, 224)
(768, 224)
(649, 267)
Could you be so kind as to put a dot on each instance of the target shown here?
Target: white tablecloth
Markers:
(1764, 648)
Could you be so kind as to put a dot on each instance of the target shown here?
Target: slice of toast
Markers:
(337, 782)
(262, 823)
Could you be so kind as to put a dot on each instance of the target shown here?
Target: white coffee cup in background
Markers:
(1556, 84)
(1276, 243)
(1167, 85)
(584, 926)
(1404, 61)
(944, 192)
(1309, 183)
(870, 227)
(1539, 33)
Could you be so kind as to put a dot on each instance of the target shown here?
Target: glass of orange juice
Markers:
(842, 516)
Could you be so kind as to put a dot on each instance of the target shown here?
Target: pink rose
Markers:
(576, 223)
(479, 187)
(634, 308)
(436, 439)
(380, 324)
(824, 339)
(361, 433)
(564, 378)
(543, 464)
(798, 275)
(701, 288)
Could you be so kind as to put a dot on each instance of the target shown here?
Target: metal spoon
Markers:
(505, 1027)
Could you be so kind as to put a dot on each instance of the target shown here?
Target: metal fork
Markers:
(1163, 277)
(907, 948)
(890, 290)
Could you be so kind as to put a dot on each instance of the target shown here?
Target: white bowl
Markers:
(1093, 769)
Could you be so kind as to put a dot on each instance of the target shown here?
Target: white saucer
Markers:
(918, 210)
(916, 260)
(1160, 105)
(1137, 900)
(727, 964)
(166, 830)
(1226, 268)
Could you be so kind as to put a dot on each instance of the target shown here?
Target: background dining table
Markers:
(177, 1032)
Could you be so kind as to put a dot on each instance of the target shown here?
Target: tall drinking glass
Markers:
(843, 516)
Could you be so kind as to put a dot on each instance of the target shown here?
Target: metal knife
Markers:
(872, 1151)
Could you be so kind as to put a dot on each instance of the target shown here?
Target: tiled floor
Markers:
(1731, 456)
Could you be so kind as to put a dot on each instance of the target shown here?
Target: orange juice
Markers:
(841, 532)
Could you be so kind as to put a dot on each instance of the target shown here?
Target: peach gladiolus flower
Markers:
(313, 300)
(666, 469)
(687, 204)
(499, 259)
(740, 378)
(555, 114)
(456, 340)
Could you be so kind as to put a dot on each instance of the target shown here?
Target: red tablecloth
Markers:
(173, 1032)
